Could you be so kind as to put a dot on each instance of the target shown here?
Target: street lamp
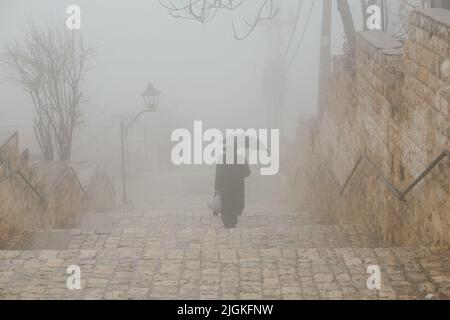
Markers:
(151, 97)
(151, 101)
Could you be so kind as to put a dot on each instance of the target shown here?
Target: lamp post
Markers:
(151, 102)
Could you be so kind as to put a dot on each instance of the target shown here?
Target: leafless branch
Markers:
(205, 10)
(50, 66)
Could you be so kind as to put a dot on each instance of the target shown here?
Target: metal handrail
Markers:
(78, 181)
(294, 181)
(445, 153)
(27, 182)
(63, 175)
(14, 135)
(400, 195)
(35, 190)
(329, 173)
(379, 173)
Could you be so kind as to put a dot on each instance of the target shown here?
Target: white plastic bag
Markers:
(215, 204)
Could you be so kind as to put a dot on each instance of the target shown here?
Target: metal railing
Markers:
(27, 182)
(69, 170)
(400, 195)
(35, 190)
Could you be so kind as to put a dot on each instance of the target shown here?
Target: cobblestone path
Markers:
(178, 250)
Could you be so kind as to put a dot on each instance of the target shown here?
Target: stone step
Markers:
(306, 236)
(267, 273)
(182, 230)
(167, 232)
(280, 216)
(248, 237)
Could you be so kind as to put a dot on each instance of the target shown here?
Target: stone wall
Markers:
(59, 213)
(45, 195)
(393, 108)
(8, 158)
(100, 194)
(9, 151)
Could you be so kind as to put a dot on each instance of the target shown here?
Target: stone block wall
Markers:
(100, 195)
(392, 107)
(58, 212)
(45, 195)
(9, 152)
(9, 156)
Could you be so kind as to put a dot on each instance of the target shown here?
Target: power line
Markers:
(297, 50)
(294, 29)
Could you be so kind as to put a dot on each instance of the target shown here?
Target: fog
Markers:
(148, 156)
(202, 71)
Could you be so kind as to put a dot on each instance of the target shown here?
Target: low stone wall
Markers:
(9, 154)
(45, 195)
(45, 206)
(63, 193)
(8, 158)
(393, 108)
(16, 202)
(100, 194)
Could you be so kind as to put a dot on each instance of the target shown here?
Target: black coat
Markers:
(230, 183)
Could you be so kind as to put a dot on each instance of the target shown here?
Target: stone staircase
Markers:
(178, 250)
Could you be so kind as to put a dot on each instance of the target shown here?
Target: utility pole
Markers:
(275, 77)
(440, 4)
(325, 55)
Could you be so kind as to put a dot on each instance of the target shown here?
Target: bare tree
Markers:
(398, 11)
(50, 65)
(205, 10)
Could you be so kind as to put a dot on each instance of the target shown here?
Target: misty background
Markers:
(202, 71)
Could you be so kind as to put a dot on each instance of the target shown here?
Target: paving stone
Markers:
(183, 252)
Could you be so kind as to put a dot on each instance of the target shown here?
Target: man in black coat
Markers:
(230, 185)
